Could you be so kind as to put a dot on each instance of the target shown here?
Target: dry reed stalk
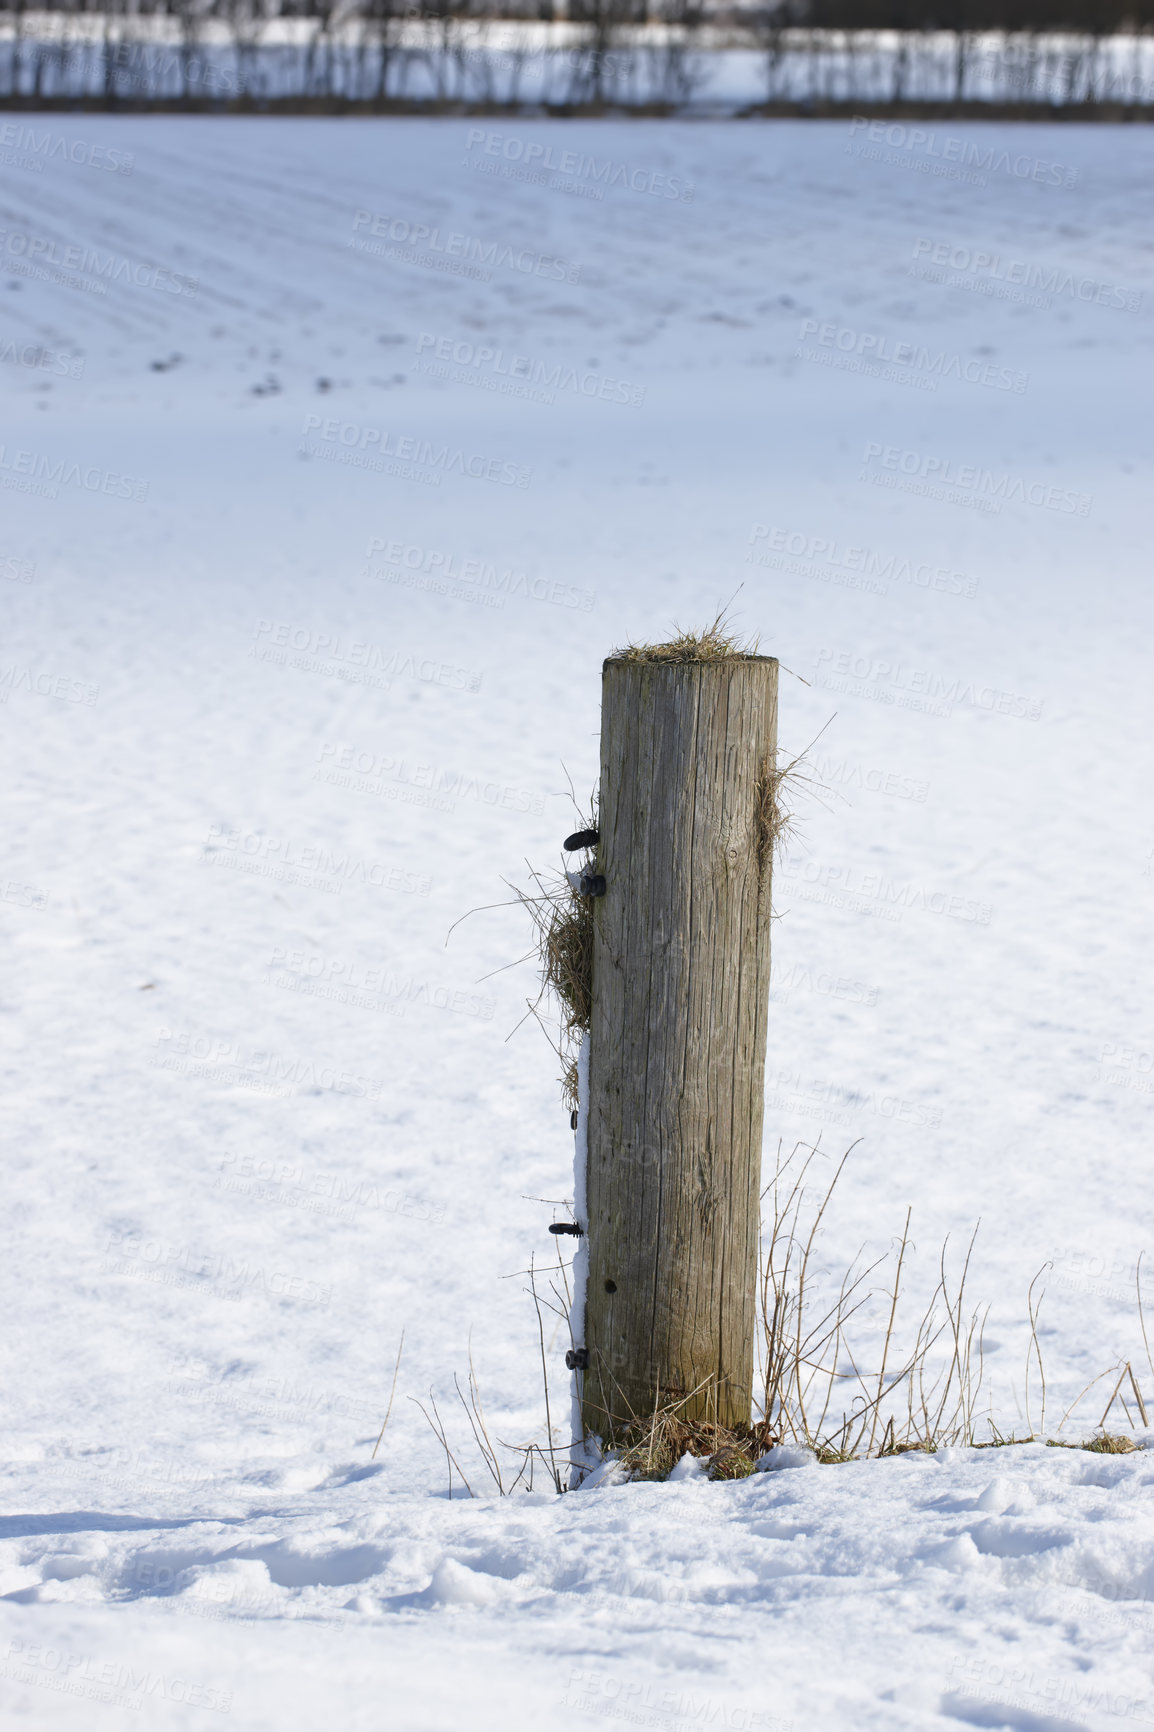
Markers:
(392, 1392)
(439, 1433)
(544, 1377)
(1122, 1372)
(1035, 1350)
(800, 1352)
(1141, 1313)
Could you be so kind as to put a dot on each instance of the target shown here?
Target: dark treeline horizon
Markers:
(1086, 17)
(1032, 56)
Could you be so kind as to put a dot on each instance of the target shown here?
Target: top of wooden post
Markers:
(708, 648)
(646, 658)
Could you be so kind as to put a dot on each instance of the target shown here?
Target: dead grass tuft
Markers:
(715, 644)
(997, 1441)
(563, 927)
(732, 1462)
(570, 1084)
(651, 1449)
(565, 934)
(773, 818)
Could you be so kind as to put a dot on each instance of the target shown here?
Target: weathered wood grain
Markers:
(677, 1044)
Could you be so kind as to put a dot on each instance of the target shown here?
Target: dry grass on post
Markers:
(562, 946)
(717, 643)
(563, 919)
(563, 922)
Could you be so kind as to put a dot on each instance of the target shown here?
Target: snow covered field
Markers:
(310, 556)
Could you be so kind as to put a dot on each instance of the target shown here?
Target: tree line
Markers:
(579, 55)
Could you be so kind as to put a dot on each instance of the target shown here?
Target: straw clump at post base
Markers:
(652, 1449)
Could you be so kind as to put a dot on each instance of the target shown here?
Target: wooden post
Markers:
(677, 1042)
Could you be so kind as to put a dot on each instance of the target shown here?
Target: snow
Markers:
(262, 1114)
